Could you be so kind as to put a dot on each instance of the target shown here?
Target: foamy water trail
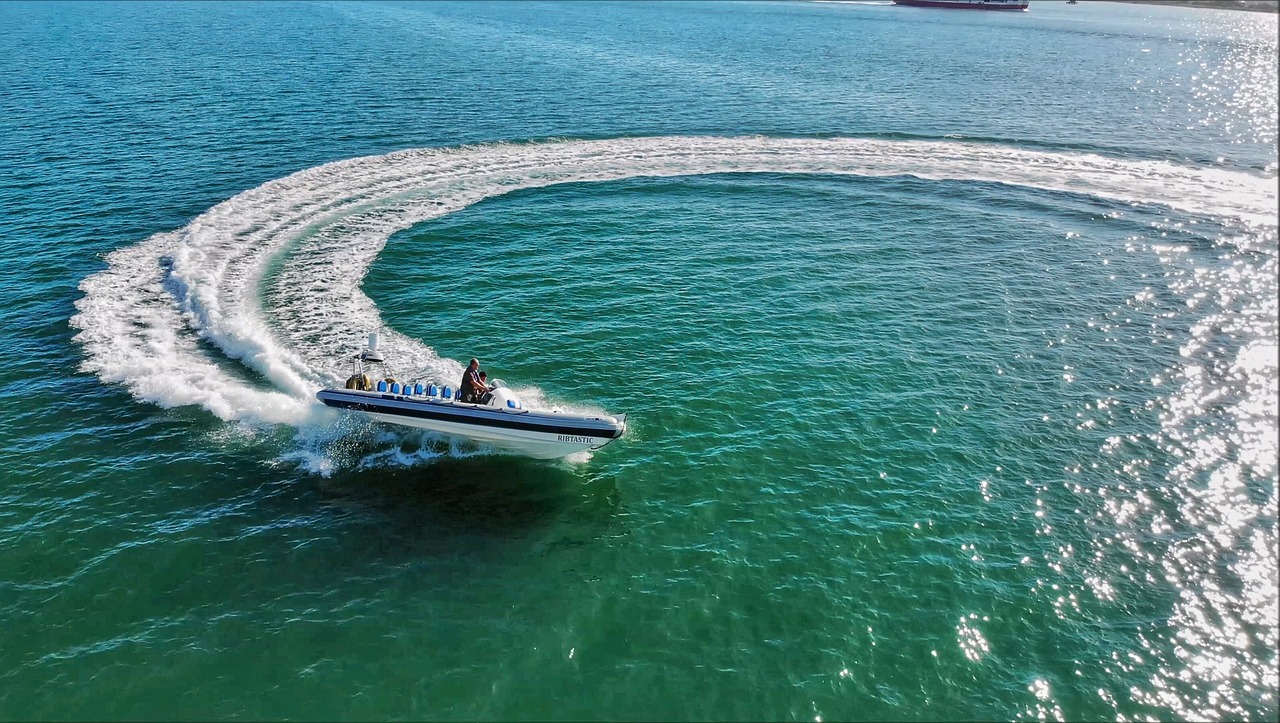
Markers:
(267, 348)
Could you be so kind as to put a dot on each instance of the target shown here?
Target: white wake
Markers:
(179, 319)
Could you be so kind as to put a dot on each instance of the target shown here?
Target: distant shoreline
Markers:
(1253, 6)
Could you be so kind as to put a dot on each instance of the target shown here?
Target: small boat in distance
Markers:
(499, 420)
(967, 4)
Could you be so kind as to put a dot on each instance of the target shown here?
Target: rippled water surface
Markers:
(948, 343)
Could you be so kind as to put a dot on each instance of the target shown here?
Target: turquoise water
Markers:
(948, 343)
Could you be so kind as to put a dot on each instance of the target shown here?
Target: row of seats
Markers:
(418, 390)
(431, 390)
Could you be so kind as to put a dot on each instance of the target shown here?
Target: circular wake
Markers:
(182, 318)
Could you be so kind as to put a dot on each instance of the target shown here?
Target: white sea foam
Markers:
(183, 319)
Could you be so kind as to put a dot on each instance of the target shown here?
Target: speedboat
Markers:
(500, 419)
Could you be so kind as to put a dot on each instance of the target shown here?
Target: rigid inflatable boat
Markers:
(500, 420)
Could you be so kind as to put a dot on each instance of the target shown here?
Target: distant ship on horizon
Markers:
(967, 4)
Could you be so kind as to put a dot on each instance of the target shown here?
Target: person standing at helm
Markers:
(472, 388)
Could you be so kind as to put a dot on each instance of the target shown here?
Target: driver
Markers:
(472, 386)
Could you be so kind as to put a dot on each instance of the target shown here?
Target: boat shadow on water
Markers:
(497, 497)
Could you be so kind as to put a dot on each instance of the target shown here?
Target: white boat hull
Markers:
(541, 445)
(542, 435)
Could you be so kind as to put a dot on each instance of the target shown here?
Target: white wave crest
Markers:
(181, 318)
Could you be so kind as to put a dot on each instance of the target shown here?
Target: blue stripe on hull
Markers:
(420, 410)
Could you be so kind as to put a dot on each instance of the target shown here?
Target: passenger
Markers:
(471, 388)
(487, 394)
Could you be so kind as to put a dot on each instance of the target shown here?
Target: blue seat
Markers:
(433, 391)
(382, 385)
(447, 393)
(512, 403)
(395, 387)
(417, 389)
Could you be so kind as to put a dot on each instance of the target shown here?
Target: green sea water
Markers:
(947, 341)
